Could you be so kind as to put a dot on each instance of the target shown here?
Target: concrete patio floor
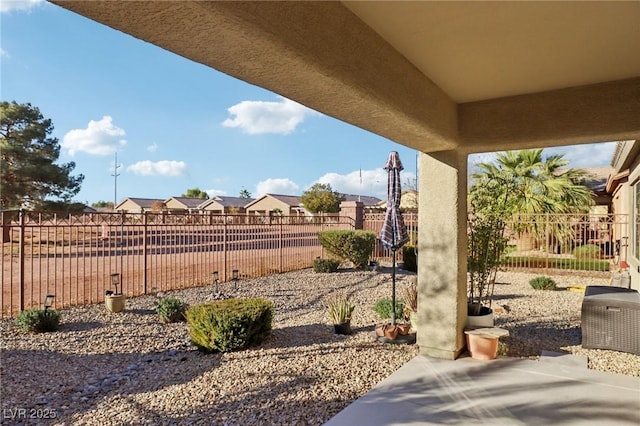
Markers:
(556, 390)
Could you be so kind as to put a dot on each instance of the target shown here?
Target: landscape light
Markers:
(115, 281)
(48, 301)
(215, 279)
(234, 277)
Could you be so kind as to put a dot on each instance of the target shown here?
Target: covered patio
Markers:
(445, 78)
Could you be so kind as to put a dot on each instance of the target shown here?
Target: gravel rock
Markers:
(129, 368)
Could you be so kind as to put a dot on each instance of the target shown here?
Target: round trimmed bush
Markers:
(38, 320)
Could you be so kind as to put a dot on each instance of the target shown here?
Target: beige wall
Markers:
(267, 204)
(173, 204)
(130, 207)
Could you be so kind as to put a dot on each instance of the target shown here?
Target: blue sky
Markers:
(176, 124)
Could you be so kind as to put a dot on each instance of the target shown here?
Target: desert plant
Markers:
(38, 320)
(340, 309)
(231, 324)
(325, 265)
(542, 283)
(352, 245)
(409, 255)
(486, 243)
(409, 295)
(170, 309)
(587, 251)
(383, 307)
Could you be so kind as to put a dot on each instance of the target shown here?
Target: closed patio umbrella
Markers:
(394, 232)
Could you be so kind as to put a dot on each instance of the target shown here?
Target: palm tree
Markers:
(526, 183)
(522, 184)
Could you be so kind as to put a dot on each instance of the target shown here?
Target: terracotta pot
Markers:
(481, 347)
(114, 302)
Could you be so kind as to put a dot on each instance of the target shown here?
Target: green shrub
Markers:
(325, 265)
(352, 245)
(409, 258)
(543, 283)
(533, 262)
(588, 251)
(383, 308)
(171, 309)
(37, 320)
(231, 324)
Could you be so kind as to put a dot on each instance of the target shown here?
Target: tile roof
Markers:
(190, 202)
(292, 200)
(365, 199)
(142, 202)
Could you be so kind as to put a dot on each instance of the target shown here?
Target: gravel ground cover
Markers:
(129, 368)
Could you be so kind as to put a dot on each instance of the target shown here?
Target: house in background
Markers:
(367, 201)
(288, 205)
(624, 187)
(225, 205)
(138, 205)
(597, 182)
(184, 204)
(408, 200)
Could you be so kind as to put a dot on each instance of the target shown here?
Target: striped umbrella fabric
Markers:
(394, 232)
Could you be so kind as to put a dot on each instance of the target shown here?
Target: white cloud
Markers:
(276, 186)
(4, 53)
(153, 147)
(159, 168)
(374, 182)
(259, 117)
(586, 155)
(19, 5)
(99, 138)
(215, 192)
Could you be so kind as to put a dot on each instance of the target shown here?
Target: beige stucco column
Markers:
(442, 268)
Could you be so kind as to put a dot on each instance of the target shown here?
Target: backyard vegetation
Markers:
(354, 246)
(104, 368)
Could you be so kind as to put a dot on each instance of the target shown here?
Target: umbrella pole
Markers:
(393, 288)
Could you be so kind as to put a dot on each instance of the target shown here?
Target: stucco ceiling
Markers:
(434, 76)
(484, 50)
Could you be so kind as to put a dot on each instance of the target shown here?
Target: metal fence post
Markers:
(224, 247)
(144, 252)
(21, 254)
(281, 247)
(546, 242)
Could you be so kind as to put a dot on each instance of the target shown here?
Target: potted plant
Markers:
(114, 301)
(410, 297)
(340, 309)
(486, 244)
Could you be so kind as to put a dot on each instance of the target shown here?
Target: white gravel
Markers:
(129, 368)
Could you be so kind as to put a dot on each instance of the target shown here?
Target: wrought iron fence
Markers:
(373, 222)
(546, 243)
(73, 255)
(556, 243)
